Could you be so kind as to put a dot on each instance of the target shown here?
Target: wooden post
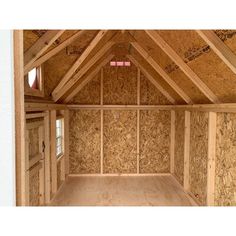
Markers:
(138, 120)
(66, 141)
(172, 142)
(211, 159)
(47, 158)
(26, 175)
(62, 162)
(102, 115)
(53, 151)
(20, 118)
(186, 150)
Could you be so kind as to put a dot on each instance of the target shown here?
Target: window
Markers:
(59, 137)
(120, 63)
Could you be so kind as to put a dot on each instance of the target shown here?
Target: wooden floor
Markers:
(122, 191)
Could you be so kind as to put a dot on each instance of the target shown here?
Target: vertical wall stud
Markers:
(66, 141)
(101, 103)
(211, 159)
(186, 150)
(53, 151)
(172, 142)
(138, 120)
(26, 197)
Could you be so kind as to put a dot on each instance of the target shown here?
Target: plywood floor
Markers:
(122, 191)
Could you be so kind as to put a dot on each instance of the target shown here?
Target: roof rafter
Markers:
(83, 70)
(161, 72)
(219, 48)
(151, 79)
(39, 47)
(54, 51)
(56, 92)
(88, 78)
(183, 66)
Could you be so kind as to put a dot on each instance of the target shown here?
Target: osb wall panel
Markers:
(120, 85)
(33, 142)
(149, 94)
(225, 180)
(59, 181)
(90, 93)
(198, 155)
(57, 66)
(166, 64)
(120, 140)
(34, 190)
(154, 141)
(85, 130)
(179, 146)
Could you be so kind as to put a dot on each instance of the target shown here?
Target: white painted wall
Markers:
(7, 120)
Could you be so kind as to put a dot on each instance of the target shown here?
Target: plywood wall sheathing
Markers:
(59, 180)
(154, 141)
(225, 179)
(120, 85)
(198, 155)
(85, 142)
(150, 95)
(90, 94)
(120, 140)
(34, 190)
(179, 146)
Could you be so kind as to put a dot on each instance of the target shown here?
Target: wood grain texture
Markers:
(154, 142)
(120, 140)
(179, 146)
(198, 155)
(85, 141)
(34, 190)
(59, 180)
(225, 179)
(149, 94)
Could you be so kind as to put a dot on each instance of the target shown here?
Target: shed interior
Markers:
(126, 117)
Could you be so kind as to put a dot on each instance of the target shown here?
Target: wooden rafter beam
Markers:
(73, 80)
(54, 51)
(182, 65)
(161, 72)
(219, 48)
(88, 78)
(151, 79)
(40, 46)
(56, 92)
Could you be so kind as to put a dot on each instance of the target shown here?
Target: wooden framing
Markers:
(55, 50)
(102, 120)
(138, 120)
(76, 65)
(182, 65)
(186, 150)
(32, 106)
(211, 159)
(38, 48)
(53, 117)
(172, 142)
(20, 118)
(219, 47)
(151, 79)
(66, 141)
(89, 77)
(161, 72)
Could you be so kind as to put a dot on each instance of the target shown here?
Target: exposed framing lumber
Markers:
(72, 82)
(102, 120)
(20, 118)
(32, 106)
(39, 47)
(186, 150)
(88, 78)
(182, 65)
(53, 151)
(79, 61)
(138, 119)
(172, 142)
(54, 51)
(219, 48)
(66, 141)
(161, 72)
(26, 174)
(151, 79)
(211, 159)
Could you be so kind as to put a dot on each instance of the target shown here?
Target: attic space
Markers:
(126, 117)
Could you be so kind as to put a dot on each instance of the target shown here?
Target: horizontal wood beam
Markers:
(31, 106)
(161, 72)
(151, 79)
(54, 51)
(219, 47)
(39, 47)
(77, 64)
(89, 78)
(82, 71)
(182, 65)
